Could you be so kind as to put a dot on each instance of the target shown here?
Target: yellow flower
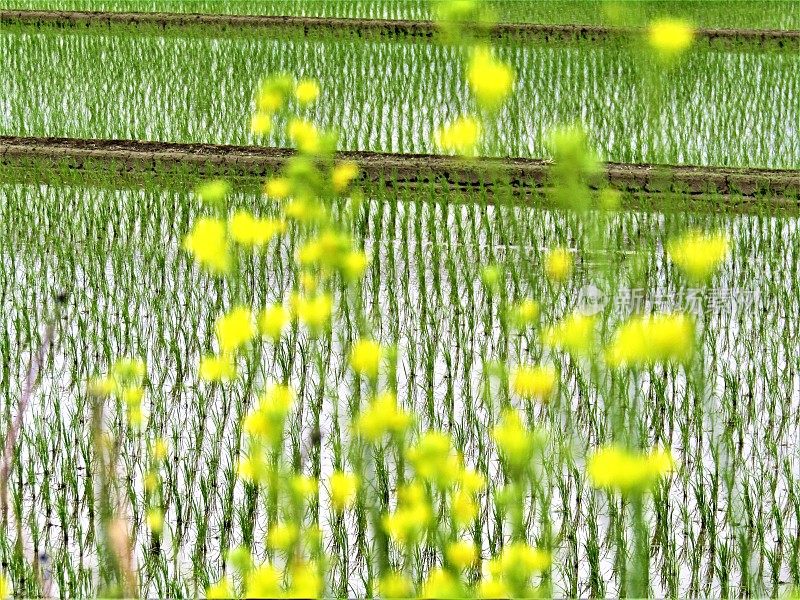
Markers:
(304, 486)
(270, 97)
(343, 174)
(249, 231)
(519, 561)
(273, 320)
(221, 590)
(365, 358)
(524, 313)
(209, 245)
(660, 338)
(558, 264)
(343, 490)
(4, 588)
(263, 582)
(304, 135)
(267, 419)
(670, 37)
(282, 536)
(533, 382)
(698, 255)
(261, 123)
(471, 481)
(574, 334)
(463, 508)
(315, 312)
(306, 582)
(217, 368)
(235, 329)
(155, 520)
(514, 440)
(432, 459)
(412, 516)
(462, 554)
(395, 585)
(278, 188)
(441, 584)
(381, 417)
(160, 449)
(460, 136)
(151, 481)
(213, 192)
(493, 587)
(101, 386)
(354, 264)
(491, 80)
(307, 91)
(616, 468)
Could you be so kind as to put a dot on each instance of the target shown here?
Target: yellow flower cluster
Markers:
(558, 264)
(247, 230)
(524, 313)
(516, 443)
(574, 334)
(670, 37)
(698, 255)
(461, 136)
(382, 417)
(208, 243)
(411, 518)
(533, 382)
(646, 340)
(490, 80)
(615, 468)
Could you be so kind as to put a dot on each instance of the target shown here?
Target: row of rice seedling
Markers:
(724, 524)
(721, 107)
(768, 14)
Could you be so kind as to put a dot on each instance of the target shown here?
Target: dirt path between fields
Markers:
(381, 27)
(407, 169)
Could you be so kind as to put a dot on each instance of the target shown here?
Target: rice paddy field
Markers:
(321, 384)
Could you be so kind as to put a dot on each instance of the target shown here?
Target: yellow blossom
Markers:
(306, 91)
(558, 264)
(217, 368)
(159, 449)
(221, 590)
(433, 460)
(263, 582)
(150, 481)
(268, 418)
(670, 37)
(306, 581)
(490, 80)
(395, 585)
(101, 386)
(250, 231)
(524, 313)
(155, 520)
(519, 561)
(514, 440)
(208, 244)
(304, 135)
(381, 417)
(273, 320)
(354, 264)
(365, 358)
(646, 340)
(616, 468)
(462, 554)
(406, 524)
(342, 174)
(343, 490)
(463, 508)
(441, 584)
(533, 382)
(213, 192)
(698, 255)
(282, 536)
(278, 188)
(494, 588)
(4, 587)
(260, 123)
(574, 334)
(304, 486)
(270, 98)
(235, 329)
(315, 311)
(460, 136)
(471, 481)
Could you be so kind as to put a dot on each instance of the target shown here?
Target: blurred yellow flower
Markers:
(304, 135)
(382, 417)
(514, 439)
(558, 264)
(493, 588)
(213, 192)
(433, 459)
(4, 587)
(518, 561)
(306, 581)
(354, 264)
(463, 508)
(616, 468)
(159, 449)
(304, 486)
(101, 386)
(574, 334)
(413, 515)
(524, 313)
(221, 590)
(670, 37)
(441, 584)
(278, 187)
(235, 329)
(395, 585)
(155, 520)
(343, 490)
(646, 340)
(365, 358)
(273, 320)
(250, 231)
(490, 80)
(460, 136)
(260, 123)
(342, 174)
(208, 244)
(307, 91)
(282, 536)
(698, 255)
(314, 312)
(217, 368)
(533, 382)
(263, 582)
(462, 554)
